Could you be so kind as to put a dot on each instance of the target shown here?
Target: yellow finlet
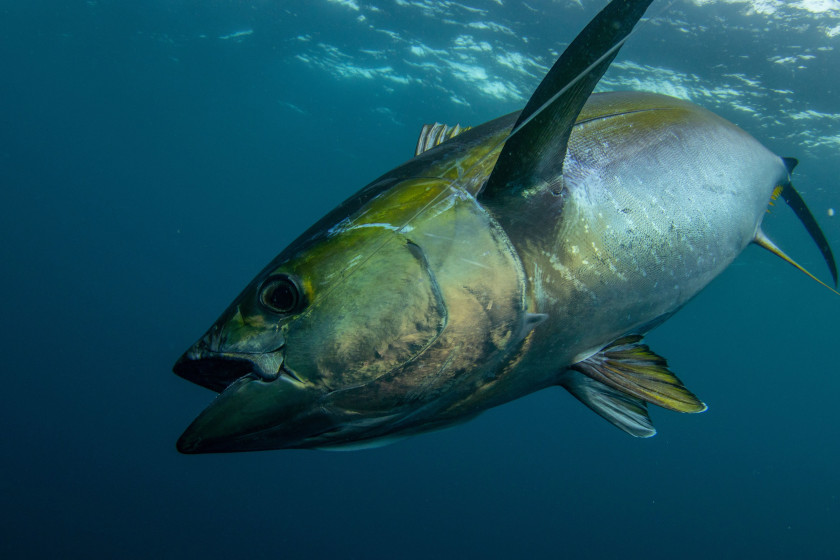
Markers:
(762, 240)
(777, 192)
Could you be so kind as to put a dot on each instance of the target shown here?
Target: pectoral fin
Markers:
(630, 367)
(617, 407)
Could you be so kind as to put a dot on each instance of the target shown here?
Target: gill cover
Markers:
(377, 315)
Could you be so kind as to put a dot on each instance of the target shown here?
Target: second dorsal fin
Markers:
(433, 134)
(537, 146)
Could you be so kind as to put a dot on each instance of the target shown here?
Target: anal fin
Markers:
(764, 242)
(617, 407)
(630, 367)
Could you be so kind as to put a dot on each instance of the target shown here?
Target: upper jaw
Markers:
(218, 370)
(236, 345)
(225, 354)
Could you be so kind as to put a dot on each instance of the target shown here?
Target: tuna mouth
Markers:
(214, 373)
(218, 371)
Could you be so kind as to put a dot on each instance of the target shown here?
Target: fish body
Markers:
(440, 290)
(658, 197)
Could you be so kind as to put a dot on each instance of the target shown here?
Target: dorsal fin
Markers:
(537, 146)
(433, 134)
(797, 204)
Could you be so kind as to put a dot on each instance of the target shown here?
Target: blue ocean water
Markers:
(155, 155)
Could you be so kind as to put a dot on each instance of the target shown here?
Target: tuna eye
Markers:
(281, 294)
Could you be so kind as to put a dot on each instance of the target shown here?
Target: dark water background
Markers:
(152, 161)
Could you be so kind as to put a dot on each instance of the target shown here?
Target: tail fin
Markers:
(797, 204)
(794, 200)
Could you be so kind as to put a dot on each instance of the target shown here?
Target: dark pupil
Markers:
(282, 296)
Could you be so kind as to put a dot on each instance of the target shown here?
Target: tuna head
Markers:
(366, 330)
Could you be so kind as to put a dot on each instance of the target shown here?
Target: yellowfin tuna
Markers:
(534, 250)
